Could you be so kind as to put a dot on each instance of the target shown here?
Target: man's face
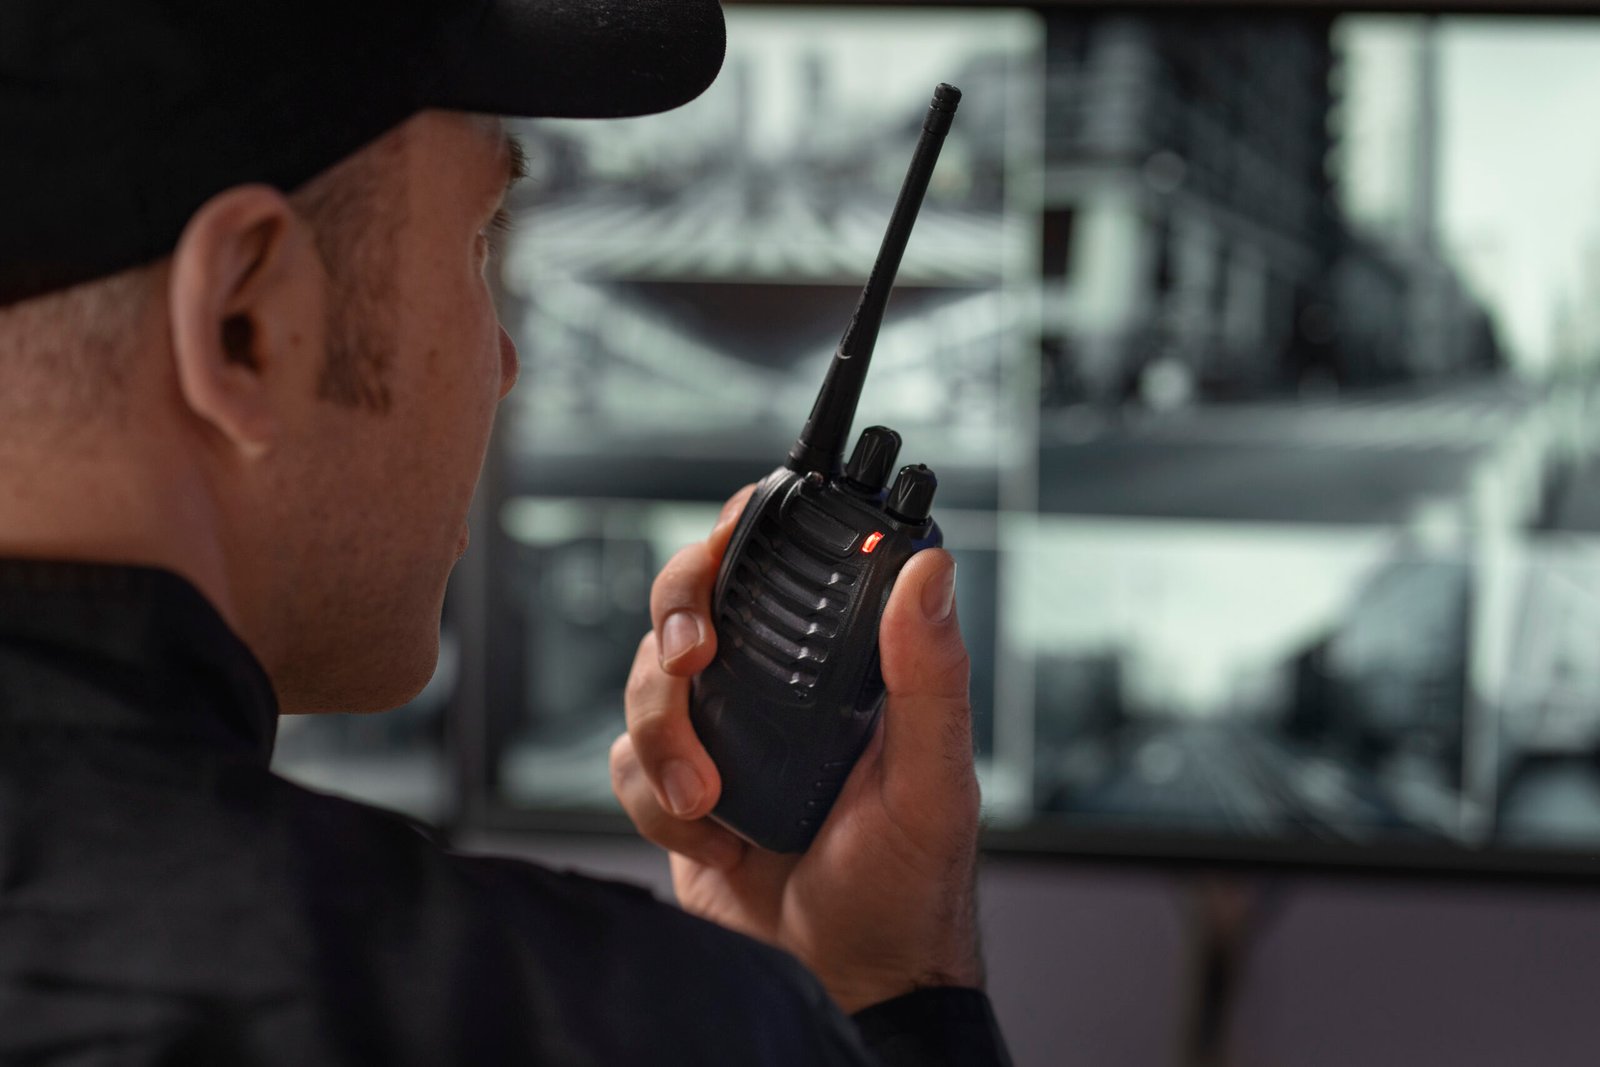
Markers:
(382, 495)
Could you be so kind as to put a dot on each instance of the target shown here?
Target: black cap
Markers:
(119, 118)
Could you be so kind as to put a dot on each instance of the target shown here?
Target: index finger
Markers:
(722, 532)
(680, 599)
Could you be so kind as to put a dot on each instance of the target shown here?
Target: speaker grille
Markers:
(784, 604)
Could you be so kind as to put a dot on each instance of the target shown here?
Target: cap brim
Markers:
(586, 58)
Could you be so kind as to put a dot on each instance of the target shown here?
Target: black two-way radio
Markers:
(795, 691)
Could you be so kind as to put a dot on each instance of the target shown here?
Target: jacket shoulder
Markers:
(481, 956)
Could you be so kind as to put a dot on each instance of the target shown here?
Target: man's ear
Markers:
(246, 302)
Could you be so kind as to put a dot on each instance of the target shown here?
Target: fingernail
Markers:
(939, 594)
(682, 786)
(679, 634)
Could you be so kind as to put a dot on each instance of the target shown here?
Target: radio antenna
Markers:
(820, 446)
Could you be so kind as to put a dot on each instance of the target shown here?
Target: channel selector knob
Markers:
(911, 499)
(873, 459)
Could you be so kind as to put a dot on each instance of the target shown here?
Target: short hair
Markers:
(356, 210)
(66, 354)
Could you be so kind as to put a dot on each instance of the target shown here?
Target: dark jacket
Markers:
(166, 899)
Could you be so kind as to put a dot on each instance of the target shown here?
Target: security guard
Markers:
(248, 368)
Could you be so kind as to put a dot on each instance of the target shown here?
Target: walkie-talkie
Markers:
(795, 691)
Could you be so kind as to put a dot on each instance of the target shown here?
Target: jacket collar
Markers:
(127, 651)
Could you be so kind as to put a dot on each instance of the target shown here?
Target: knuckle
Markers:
(653, 824)
(957, 673)
(642, 677)
(644, 816)
(623, 767)
(678, 581)
(665, 578)
(631, 789)
(946, 681)
(623, 760)
(651, 731)
(950, 672)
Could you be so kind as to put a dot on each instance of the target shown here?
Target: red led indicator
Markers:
(871, 543)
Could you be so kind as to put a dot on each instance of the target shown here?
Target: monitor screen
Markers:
(1255, 352)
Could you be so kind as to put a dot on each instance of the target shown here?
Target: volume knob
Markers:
(873, 459)
(911, 499)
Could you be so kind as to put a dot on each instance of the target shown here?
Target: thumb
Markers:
(927, 743)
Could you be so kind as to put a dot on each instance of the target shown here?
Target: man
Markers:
(248, 367)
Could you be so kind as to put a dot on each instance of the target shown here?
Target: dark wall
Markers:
(1092, 966)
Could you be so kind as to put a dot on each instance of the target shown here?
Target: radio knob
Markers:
(911, 499)
(873, 459)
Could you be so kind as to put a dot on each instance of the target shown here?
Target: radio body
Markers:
(795, 691)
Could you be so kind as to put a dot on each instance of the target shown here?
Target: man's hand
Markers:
(883, 902)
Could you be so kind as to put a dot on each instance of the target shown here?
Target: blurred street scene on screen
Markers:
(1256, 353)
